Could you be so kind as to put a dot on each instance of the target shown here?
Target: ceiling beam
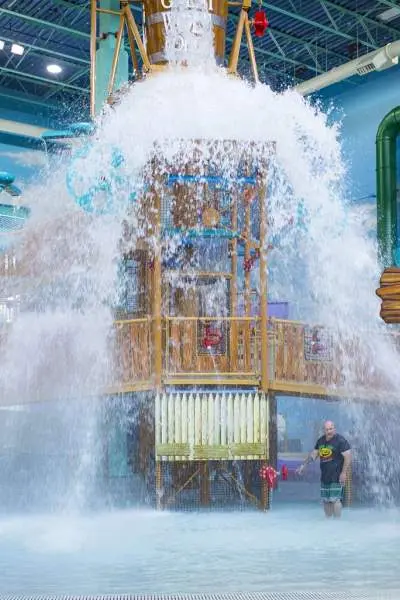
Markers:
(279, 57)
(362, 18)
(27, 100)
(41, 23)
(73, 78)
(388, 3)
(307, 43)
(68, 6)
(39, 50)
(297, 17)
(42, 80)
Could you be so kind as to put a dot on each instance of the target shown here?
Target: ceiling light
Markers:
(1, 45)
(17, 49)
(54, 69)
(390, 14)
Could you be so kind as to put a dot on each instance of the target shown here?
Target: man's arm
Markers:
(313, 455)
(346, 465)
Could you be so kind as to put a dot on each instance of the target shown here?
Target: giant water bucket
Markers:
(156, 15)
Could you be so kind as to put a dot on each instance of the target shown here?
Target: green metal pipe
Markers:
(386, 186)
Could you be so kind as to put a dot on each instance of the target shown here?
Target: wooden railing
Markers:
(303, 355)
(223, 350)
(303, 360)
(312, 359)
(218, 348)
(132, 354)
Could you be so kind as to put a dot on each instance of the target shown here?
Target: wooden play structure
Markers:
(192, 330)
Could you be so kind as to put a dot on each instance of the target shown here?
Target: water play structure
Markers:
(196, 344)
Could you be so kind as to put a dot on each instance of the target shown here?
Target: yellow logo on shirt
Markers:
(325, 452)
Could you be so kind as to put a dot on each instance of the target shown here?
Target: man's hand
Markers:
(342, 478)
(300, 470)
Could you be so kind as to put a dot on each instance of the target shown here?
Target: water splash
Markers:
(326, 268)
(189, 35)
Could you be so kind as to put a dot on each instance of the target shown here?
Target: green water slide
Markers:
(386, 187)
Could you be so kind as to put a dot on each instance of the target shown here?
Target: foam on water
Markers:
(125, 552)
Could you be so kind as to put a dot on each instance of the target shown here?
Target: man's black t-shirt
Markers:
(330, 456)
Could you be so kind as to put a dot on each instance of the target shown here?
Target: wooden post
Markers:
(157, 288)
(204, 484)
(348, 489)
(273, 431)
(264, 500)
(93, 48)
(234, 290)
(263, 289)
(159, 485)
(247, 286)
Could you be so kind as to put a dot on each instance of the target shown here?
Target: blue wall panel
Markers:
(360, 109)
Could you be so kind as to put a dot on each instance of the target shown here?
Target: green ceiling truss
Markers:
(286, 54)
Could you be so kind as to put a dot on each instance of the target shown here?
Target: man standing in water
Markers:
(334, 454)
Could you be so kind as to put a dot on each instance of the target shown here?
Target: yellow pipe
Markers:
(133, 52)
(117, 50)
(132, 24)
(253, 61)
(234, 57)
(107, 11)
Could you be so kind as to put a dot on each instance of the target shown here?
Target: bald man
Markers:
(334, 454)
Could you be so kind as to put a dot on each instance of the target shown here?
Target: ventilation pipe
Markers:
(386, 186)
(378, 60)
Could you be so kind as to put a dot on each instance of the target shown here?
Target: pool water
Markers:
(138, 551)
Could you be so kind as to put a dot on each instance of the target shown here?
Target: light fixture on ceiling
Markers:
(17, 49)
(54, 69)
(389, 15)
(1, 45)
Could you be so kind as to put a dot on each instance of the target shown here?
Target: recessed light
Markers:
(1, 45)
(17, 49)
(54, 69)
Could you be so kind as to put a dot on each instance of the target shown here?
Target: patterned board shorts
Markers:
(331, 492)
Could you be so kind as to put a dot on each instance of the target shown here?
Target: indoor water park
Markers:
(199, 299)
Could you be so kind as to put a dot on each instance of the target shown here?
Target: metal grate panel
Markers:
(312, 595)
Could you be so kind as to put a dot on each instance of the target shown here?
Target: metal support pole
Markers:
(93, 50)
(234, 57)
(250, 46)
(117, 50)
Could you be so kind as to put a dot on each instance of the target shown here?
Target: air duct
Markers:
(378, 60)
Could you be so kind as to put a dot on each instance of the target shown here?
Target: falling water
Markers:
(323, 263)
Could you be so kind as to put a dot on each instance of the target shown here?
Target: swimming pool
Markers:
(140, 551)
